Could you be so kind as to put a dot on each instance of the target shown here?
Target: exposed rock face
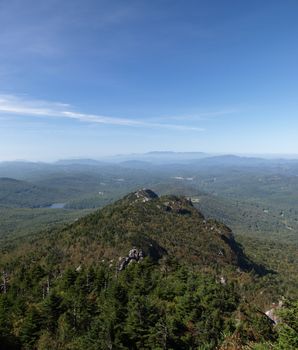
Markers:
(134, 255)
(272, 313)
(145, 195)
(223, 280)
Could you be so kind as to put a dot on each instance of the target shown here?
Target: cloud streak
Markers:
(21, 105)
(199, 116)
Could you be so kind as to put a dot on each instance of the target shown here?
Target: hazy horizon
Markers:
(136, 156)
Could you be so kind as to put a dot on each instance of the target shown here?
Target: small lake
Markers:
(57, 206)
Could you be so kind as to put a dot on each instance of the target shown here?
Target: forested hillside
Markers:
(147, 272)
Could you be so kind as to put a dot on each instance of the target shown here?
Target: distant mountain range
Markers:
(153, 158)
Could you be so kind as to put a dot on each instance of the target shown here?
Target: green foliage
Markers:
(288, 327)
(142, 307)
(22, 222)
(30, 328)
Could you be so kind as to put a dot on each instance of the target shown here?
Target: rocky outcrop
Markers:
(134, 255)
(145, 194)
(273, 312)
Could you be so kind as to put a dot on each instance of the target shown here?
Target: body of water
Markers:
(57, 205)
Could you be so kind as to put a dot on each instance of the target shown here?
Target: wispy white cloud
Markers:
(24, 106)
(199, 116)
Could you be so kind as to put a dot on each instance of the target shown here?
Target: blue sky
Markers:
(92, 78)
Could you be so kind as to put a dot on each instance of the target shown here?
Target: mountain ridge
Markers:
(162, 227)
